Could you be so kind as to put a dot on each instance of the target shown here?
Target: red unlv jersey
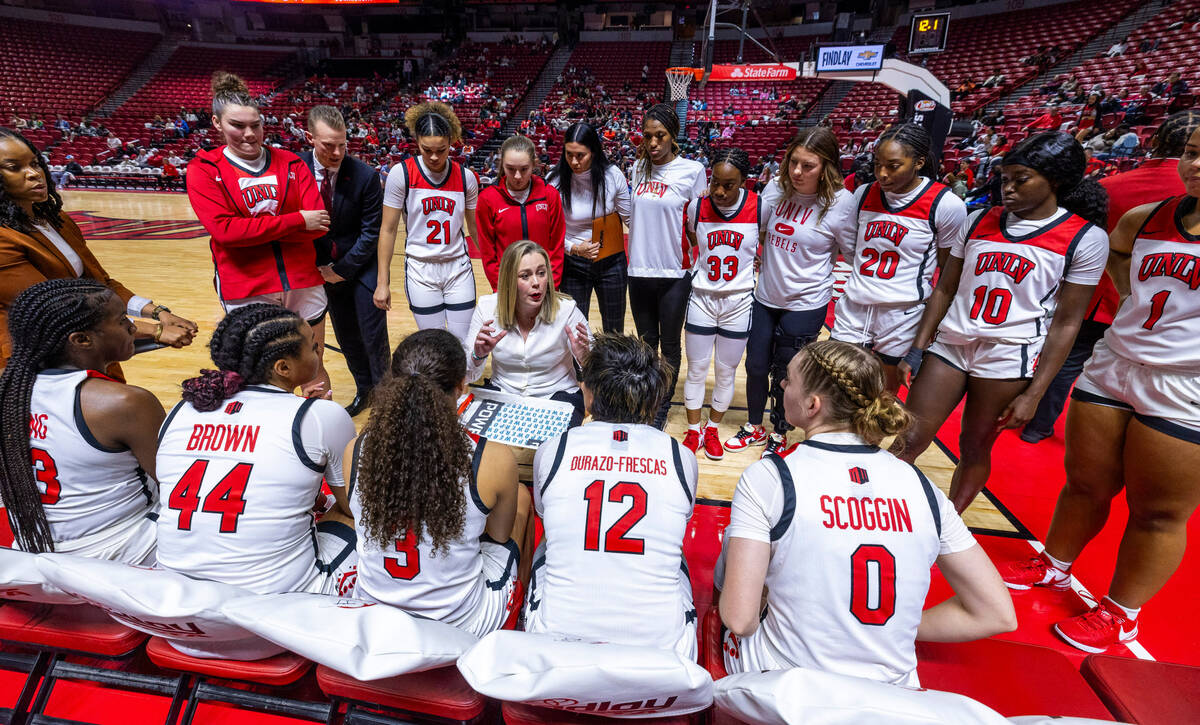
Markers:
(259, 241)
(1012, 272)
(434, 213)
(1159, 323)
(727, 243)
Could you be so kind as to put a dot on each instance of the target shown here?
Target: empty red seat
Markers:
(75, 628)
(1144, 691)
(442, 693)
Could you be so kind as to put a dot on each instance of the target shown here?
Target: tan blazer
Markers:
(26, 259)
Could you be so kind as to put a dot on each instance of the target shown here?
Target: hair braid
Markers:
(244, 347)
(850, 381)
(40, 322)
(843, 380)
(733, 156)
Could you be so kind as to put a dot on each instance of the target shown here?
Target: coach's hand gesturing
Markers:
(486, 340)
(579, 339)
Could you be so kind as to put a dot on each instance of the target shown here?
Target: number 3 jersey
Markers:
(86, 488)
(853, 531)
(615, 501)
(728, 242)
(1012, 273)
(239, 484)
(1159, 323)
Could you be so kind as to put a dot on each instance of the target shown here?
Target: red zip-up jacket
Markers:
(500, 220)
(259, 243)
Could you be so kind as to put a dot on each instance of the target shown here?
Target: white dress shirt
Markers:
(539, 364)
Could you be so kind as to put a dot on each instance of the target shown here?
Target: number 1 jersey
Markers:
(615, 500)
(239, 484)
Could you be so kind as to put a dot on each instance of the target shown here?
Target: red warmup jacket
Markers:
(259, 243)
(500, 221)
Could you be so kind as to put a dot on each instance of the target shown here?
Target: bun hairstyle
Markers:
(664, 114)
(433, 118)
(850, 381)
(40, 321)
(414, 455)
(1059, 157)
(229, 90)
(735, 157)
(917, 144)
(1173, 134)
(244, 347)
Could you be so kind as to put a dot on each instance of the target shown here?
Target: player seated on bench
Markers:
(843, 535)
(534, 334)
(615, 496)
(439, 512)
(91, 438)
(243, 458)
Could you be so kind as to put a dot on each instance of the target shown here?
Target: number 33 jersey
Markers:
(239, 484)
(853, 531)
(727, 241)
(615, 501)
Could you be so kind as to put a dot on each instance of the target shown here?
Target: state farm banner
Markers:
(755, 72)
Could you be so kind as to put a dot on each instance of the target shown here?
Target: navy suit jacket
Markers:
(353, 238)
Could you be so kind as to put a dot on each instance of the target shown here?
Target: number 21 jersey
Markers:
(434, 213)
(615, 501)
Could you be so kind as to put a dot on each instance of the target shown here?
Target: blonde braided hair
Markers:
(850, 379)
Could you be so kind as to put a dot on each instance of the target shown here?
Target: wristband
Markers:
(476, 358)
(913, 357)
(158, 333)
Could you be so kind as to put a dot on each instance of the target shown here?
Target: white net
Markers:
(678, 80)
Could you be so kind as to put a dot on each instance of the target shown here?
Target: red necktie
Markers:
(327, 191)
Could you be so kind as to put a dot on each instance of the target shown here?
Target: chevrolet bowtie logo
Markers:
(867, 55)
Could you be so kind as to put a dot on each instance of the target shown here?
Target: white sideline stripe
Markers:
(1090, 599)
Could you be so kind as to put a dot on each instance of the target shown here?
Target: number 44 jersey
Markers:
(239, 484)
(615, 500)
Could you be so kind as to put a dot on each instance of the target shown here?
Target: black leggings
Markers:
(775, 338)
(659, 306)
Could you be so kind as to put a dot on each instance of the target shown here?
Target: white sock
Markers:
(711, 424)
(1063, 566)
(694, 426)
(1130, 614)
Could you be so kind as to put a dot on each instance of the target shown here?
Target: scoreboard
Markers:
(927, 34)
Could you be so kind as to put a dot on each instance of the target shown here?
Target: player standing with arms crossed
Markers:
(1008, 305)
(724, 229)
(906, 226)
(1134, 422)
(436, 197)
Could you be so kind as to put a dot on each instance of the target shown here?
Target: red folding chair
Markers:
(1144, 691)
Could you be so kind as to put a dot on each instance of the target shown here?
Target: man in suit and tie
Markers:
(346, 256)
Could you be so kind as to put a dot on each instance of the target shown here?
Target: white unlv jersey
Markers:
(434, 214)
(727, 244)
(615, 500)
(800, 247)
(853, 532)
(896, 246)
(1159, 323)
(85, 487)
(1009, 287)
(407, 574)
(239, 487)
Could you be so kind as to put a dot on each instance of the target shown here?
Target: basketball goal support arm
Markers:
(900, 76)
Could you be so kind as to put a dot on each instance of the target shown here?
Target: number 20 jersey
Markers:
(238, 490)
(1159, 323)
(434, 214)
(727, 244)
(615, 501)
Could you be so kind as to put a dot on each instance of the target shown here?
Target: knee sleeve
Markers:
(699, 353)
(728, 355)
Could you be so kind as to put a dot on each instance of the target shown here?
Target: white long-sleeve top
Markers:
(580, 216)
(538, 365)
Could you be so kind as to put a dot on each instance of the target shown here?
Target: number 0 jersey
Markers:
(615, 500)
(1012, 272)
(407, 574)
(853, 531)
(727, 244)
(1159, 323)
(239, 484)
(434, 214)
(85, 487)
(897, 241)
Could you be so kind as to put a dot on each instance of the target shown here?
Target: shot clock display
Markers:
(927, 34)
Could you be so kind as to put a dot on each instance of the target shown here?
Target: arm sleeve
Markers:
(485, 231)
(950, 218)
(844, 217)
(956, 536)
(474, 367)
(472, 188)
(367, 245)
(226, 224)
(395, 188)
(558, 234)
(958, 248)
(1087, 264)
(757, 503)
(621, 200)
(135, 305)
(326, 431)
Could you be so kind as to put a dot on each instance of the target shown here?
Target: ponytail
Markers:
(211, 388)
(1087, 199)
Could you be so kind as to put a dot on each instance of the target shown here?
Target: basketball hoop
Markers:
(678, 80)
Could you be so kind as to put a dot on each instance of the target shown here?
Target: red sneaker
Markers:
(748, 435)
(691, 440)
(1036, 571)
(775, 443)
(712, 444)
(1097, 630)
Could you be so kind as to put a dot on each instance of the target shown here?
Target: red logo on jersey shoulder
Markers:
(725, 237)
(620, 436)
(858, 475)
(431, 204)
(891, 231)
(233, 408)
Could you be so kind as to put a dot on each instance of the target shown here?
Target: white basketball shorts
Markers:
(1168, 402)
(434, 287)
(989, 359)
(309, 302)
(887, 330)
(724, 315)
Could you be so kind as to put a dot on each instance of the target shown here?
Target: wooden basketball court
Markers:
(153, 244)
